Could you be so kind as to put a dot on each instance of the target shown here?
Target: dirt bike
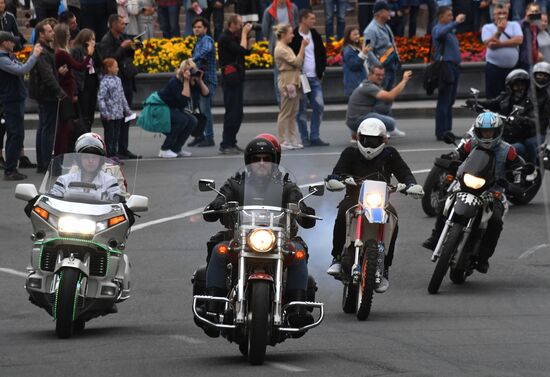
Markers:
(255, 310)
(78, 268)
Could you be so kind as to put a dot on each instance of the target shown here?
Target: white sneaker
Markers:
(167, 154)
(335, 268)
(286, 146)
(184, 153)
(353, 141)
(298, 145)
(396, 133)
(383, 286)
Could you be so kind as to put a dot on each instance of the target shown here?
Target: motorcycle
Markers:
(467, 213)
(255, 311)
(442, 174)
(78, 269)
(367, 226)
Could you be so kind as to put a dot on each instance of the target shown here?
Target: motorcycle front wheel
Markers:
(65, 302)
(447, 250)
(366, 285)
(259, 324)
(433, 191)
(349, 297)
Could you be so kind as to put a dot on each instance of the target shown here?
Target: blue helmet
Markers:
(485, 122)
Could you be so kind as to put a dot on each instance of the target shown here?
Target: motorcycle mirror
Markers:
(449, 137)
(25, 191)
(317, 190)
(138, 203)
(206, 184)
(474, 92)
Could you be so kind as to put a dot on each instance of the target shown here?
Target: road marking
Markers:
(13, 272)
(187, 339)
(533, 250)
(286, 367)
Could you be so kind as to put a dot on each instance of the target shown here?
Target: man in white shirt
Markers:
(502, 39)
(313, 69)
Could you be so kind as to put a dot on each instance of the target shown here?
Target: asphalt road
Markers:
(494, 325)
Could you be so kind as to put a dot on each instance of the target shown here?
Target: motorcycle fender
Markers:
(73, 263)
(260, 276)
(467, 204)
(448, 204)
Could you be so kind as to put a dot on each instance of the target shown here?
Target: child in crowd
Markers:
(112, 106)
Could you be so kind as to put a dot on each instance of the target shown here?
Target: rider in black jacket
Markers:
(371, 159)
(258, 152)
(487, 135)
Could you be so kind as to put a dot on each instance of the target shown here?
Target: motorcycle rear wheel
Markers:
(259, 325)
(432, 191)
(447, 250)
(523, 200)
(65, 306)
(365, 289)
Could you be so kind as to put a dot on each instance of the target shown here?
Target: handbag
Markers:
(435, 71)
(231, 74)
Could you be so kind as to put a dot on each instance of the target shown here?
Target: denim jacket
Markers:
(354, 67)
(381, 38)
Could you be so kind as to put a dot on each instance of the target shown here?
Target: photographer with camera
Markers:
(119, 46)
(529, 53)
(233, 46)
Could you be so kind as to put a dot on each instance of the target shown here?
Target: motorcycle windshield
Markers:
(480, 163)
(84, 178)
(263, 199)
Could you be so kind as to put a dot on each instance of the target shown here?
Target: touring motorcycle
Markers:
(256, 310)
(78, 269)
(368, 224)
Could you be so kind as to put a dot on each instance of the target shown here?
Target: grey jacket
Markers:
(268, 22)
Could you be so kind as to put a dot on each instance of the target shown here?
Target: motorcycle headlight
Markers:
(473, 182)
(374, 199)
(73, 225)
(261, 240)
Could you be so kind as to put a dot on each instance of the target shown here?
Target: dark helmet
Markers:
(275, 143)
(517, 83)
(90, 143)
(517, 75)
(259, 145)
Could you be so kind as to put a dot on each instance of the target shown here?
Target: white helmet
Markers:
(541, 74)
(371, 137)
(90, 143)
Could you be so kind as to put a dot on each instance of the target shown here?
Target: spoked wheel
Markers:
(447, 250)
(366, 286)
(349, 297)
(65, 302)
(433, 191)
(259, 324)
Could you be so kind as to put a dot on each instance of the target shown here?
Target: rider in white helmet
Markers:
(90, 160)
(372, 158)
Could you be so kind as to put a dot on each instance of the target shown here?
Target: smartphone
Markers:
(534, 17)
(367, 42)
(139, 36)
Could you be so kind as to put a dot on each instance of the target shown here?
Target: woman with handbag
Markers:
(177, 96)
(289, 66)
(68, 108)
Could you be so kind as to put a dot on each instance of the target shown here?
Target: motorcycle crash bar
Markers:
(308, 304)
(206, 321)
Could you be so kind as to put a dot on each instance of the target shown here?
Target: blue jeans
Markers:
(169, 20)
(316, 102)
(190, 15)
(233, 117)
(111, 131)
(340, 18)
(181, 126)
(390, 73)
(388, 121)
(445, 99)
(494, 80)
(528, 149)
(297, 273)
(518, 10)
(14, 113)
(205, 105)
(47, 117)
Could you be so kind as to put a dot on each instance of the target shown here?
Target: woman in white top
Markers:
(140, 17)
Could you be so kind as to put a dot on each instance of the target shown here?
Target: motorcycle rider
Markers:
(488, 129)
(92, 148)
(523, 126)
(261, 159)
(372, 156)
(541, 78)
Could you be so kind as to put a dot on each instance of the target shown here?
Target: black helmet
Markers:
(515, 75)
(259, 146)
(517, 83)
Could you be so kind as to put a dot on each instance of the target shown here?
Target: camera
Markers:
(534, 17)
(196, 72)
(252, 19)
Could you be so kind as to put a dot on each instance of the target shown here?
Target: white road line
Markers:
(187, 339)
(286, 367)
(533, 250)
(13, 272)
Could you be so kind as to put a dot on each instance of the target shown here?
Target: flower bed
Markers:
(165, 55)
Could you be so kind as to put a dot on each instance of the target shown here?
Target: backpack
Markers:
(155, 116)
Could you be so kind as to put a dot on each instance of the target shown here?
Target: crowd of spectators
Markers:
(68, 70)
